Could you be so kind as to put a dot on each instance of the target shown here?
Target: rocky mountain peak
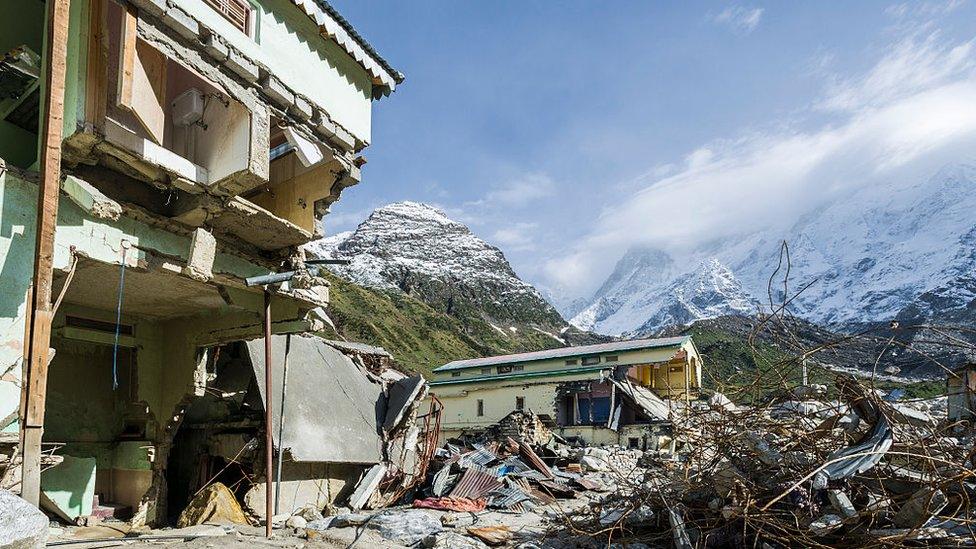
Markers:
(417, 249)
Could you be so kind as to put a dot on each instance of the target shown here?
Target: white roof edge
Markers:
(351, 42)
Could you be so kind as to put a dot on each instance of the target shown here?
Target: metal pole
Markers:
(269, 442)
(41, 313)
(281, 423)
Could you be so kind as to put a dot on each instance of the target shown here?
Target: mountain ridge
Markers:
(896, 252)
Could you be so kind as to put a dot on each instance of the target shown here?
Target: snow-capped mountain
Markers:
(899, 251)
(417, 249)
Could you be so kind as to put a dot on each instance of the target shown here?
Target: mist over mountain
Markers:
(883, 253)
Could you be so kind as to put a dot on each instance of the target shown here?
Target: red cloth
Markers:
(451, 504)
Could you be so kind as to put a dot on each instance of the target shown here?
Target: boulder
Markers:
(22, 526)
(216, 503)
(452, 540)
(406, 527)
(721, 403)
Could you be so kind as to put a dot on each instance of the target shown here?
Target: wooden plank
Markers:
(39, 341)
(127, 56)
(96, 76)
(149, 90)
(142, 78)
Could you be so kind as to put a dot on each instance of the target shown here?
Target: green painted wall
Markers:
(21, 23)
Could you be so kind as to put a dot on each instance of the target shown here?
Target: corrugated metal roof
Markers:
(475, 484)
(616, 346)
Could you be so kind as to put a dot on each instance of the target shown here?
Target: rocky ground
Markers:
(387, 528)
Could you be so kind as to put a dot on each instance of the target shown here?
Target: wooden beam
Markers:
(96, 77)
(39, 338)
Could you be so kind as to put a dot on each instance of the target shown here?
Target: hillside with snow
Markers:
(416, 249)
(888, 252)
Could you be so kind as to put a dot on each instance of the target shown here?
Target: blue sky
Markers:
(564, 132)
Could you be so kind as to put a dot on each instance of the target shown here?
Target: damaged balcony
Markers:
(213, 151)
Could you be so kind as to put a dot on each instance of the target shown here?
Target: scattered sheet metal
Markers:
(644, 398)
(475, 484)
(442, 481)
(402, 396)
(557, 489)
(507, 497)
(533, 459)
(481, 455)
(511, 465)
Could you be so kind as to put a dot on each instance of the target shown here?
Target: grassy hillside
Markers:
(755, 373)
(419, 337)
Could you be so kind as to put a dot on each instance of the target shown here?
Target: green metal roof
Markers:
(563, 352)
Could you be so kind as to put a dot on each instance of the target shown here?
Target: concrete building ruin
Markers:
(625, 392)
(202, 143)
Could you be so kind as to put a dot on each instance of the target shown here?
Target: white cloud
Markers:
(516, 237)
(740, 19)
(519, 192)
(915, 64)
(911, 113)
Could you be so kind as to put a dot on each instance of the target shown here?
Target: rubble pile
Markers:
(855, 472)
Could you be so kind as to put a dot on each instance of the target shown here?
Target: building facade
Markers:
(612, 393)
(203, 142)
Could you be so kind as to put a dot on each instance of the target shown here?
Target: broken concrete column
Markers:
(203, 251)
(90, 199)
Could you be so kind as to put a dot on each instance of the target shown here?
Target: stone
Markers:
(813, 391)
(296, 522)
(841, 502)
(182, 23)
(826, 524)
(301, 108)
(216, 503)
(457, 520)
(720, 402)
(22, 526)
(310, 513)
(349, 519)
(214, 45)
(320, 525)
(153, 7)
(241, 65)
(920, 507)
(344, 138)
(276, 90)
(591, 463)
(406, 527)
(452, 540)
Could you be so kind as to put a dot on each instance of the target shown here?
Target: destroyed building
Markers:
(623, 392)
(154, 155)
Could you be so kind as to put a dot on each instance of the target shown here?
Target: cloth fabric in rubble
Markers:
(451, 504)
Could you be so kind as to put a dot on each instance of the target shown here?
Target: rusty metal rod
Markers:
(269, 442)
